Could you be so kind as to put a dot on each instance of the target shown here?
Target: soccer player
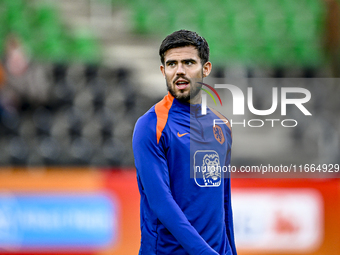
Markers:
(184, 208)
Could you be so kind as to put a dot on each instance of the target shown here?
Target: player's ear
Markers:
(162, 70)
(207, 68)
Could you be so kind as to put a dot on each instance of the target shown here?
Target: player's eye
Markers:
(171, 64)
(189, 62)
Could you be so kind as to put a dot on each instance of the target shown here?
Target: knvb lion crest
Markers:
(218, 133)
(210, 167)
(207, 168)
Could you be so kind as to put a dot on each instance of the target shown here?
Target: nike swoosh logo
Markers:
(180, 135)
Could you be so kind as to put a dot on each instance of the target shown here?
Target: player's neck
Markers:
(197, 99)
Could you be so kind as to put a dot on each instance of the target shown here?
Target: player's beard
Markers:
(195, 89)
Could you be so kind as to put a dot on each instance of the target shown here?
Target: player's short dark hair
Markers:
(182, 38)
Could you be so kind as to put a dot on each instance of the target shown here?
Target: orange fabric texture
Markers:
(162, 111)
(2, 76)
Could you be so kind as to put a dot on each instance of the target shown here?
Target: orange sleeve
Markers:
(162, 112)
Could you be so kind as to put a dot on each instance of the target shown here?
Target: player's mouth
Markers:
(182, 84)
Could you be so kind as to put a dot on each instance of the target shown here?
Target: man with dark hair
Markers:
(185, 208)
(187, 41)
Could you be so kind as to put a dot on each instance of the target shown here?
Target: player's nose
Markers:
(180, 70)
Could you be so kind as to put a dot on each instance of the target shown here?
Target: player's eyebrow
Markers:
(170, 61)
(183, 60)
(189, 60)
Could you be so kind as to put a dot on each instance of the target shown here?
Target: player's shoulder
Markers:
(155, 120)
(222, 117)
(145, 128)
(147, 118)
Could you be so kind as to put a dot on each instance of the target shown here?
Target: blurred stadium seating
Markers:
(81, 80)
(60, 129)
(250, 32)
(44, 34)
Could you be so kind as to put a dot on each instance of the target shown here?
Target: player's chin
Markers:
(183, 93)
